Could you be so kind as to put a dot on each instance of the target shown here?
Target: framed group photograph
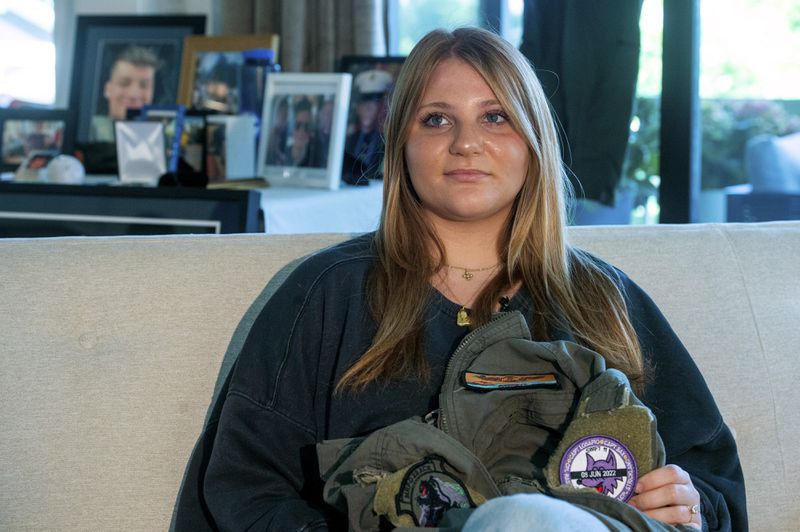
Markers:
(212, 75)
(124, 62)
(24, 131)
(303, 126)
(373, 80)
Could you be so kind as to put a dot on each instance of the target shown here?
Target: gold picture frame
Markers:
(195, 46)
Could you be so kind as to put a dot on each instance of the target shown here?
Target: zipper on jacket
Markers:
(448, 373)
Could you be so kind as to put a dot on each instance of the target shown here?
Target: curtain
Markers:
(314, 34)
(586, 54)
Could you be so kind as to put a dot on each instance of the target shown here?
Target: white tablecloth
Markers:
(294, 210)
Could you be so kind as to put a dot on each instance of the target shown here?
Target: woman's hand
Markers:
(667, 494)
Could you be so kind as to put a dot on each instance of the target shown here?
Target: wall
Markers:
(67, 11)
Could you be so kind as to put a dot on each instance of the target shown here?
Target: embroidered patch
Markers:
(487, 381)
(428, 490)
(601, 463)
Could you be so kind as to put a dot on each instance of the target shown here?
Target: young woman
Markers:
(359, 337)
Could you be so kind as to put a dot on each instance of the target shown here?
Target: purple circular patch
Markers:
(600, 463)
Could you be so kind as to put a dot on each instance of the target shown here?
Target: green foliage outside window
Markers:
(727, 126)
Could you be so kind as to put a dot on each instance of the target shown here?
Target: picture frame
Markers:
(374, 78)
(230, 147)
(193, 142)
(145, 51)
(206, 57)
(303, 126)
(141, 151)
(172, 116)
(25, 130)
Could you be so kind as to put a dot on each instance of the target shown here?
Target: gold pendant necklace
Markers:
(462, 316)
(468, 275)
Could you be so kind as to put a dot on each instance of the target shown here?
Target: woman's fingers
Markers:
(669, 474)
(676, 515)
(667, 494)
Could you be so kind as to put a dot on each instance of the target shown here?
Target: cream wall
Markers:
(67, 11)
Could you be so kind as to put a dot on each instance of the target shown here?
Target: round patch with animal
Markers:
(600, 463)
(429, 489)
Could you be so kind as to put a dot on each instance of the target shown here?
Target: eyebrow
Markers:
(445, 105)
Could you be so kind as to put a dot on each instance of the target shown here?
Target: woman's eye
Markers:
(435, 120)
(496, 117)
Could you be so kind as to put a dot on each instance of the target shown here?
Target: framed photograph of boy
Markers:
(303, 129)
(23, 131)
(124, 62)
(212, 71)
(373, 81)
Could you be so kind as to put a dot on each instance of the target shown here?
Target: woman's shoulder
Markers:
(359, 249)
(348, 259)
(634, 295)
(597, 264)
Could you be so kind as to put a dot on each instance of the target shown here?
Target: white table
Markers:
(295, 210)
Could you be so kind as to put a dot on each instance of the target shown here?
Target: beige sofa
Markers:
(110, 349)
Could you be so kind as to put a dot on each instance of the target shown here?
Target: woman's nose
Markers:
(467, 140)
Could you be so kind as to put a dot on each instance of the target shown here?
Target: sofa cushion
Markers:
(110, 350)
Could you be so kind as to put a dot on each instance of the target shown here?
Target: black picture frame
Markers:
(99, 41)
(24, 130)
(359, 164)
(48, 210)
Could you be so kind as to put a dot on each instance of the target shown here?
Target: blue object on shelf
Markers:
(258, 63)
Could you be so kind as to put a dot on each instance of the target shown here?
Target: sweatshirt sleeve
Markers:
(689, 422)
(259, 475)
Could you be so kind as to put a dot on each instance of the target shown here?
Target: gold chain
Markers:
(462, 316)
(468, 275)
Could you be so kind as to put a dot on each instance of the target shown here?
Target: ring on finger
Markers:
(694, 509)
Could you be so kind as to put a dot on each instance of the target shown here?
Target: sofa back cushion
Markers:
(110, 349)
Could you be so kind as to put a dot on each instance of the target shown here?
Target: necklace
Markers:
(462, 316)
(468, 275)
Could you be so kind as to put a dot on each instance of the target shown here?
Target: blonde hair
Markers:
(569, 289)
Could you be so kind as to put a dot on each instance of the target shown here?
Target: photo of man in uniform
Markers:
(364, 143)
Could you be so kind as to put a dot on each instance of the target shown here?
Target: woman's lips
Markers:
(466, 174)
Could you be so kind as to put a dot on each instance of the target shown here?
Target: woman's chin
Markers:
(471, 214)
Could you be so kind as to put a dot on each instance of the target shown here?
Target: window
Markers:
(409, 20)
(28, 63)
(750, 110)
(640, 181)
(749, 107)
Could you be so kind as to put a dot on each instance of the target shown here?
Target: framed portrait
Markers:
(23, 131)
(303, 125)
(373, 80)
(123, 62)
(212, 74)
